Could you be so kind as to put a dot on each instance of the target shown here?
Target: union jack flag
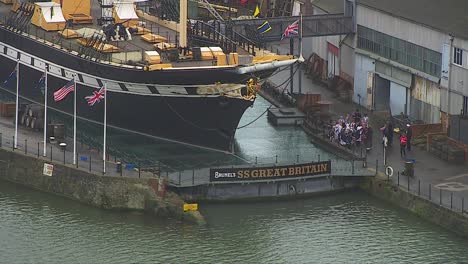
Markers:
(291, 29)
(96, 97)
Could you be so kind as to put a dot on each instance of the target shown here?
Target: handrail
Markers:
(213, 33)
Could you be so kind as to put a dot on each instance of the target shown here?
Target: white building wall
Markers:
(401, 28)
(459, 74)
(363, 65)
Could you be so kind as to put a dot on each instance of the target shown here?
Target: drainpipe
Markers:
(449, 80)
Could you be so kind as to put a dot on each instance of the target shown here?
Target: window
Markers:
(401, 51)
(458, 56)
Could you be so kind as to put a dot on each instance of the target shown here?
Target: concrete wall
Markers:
(347, 58)
(119, 193)
(421, 207)
(276, 189)
(459, 78)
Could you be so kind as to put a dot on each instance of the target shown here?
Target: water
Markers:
(343, 228)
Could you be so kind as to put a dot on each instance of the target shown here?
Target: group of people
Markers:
(404, 139)
(351, 130)
(354, 130)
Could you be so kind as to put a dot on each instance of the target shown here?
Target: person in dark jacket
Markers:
(390, 133)
(409, 135)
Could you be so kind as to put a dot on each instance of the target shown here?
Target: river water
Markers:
(344, 228)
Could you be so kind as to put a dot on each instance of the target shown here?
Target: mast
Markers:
(106, 12)
(183, 24)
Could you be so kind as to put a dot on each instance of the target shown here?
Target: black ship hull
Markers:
(207, 121)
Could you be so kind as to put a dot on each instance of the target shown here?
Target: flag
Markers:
(264, 28)
(61, 93)
(291, 29)
(41, 83)
(96, 97)
(257, 11)
(244, 2)
(10, 77)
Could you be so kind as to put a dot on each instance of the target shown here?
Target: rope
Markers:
(285, 82)
(216, 129)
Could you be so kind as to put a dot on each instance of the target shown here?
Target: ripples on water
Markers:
(345, 228)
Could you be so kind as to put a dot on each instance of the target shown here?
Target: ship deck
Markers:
(130, 50)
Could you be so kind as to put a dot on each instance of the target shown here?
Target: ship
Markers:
(186, 99)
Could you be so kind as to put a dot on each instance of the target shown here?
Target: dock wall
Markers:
(425, 209)
(107, 192)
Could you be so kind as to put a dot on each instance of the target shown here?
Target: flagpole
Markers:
(45, 111)
(105, 128)
(301, 58)
(74, 119)
(17, 104)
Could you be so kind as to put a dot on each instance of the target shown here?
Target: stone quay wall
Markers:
(425, 209)
(107, 192)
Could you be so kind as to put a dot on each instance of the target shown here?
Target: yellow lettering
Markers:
(323, 167)
(277, 173)
(313, 168)
(283, 170)
(291, 171)
(246, 174)
(240, 174)
(298, 171)
(270, 172)
(254, 173)
(307, 169)
(262, 173)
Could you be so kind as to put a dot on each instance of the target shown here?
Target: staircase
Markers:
(210, 8)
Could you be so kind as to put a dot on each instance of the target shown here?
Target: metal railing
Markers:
(442, 194)
(339, 168)
(71, 46)
(87, 158)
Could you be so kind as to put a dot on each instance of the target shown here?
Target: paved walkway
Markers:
(450, 178)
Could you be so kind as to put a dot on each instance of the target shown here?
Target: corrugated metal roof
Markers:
(448, 16)
(330, 6)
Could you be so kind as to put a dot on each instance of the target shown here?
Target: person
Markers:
(365, 120)
(357, 116)
(368, 139)
(403, 142)
(390, 133)
(409, 135)
(384, 131)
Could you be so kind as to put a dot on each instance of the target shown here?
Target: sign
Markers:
(445, 67)
(275, 172)
(48, 169)
(190, 207)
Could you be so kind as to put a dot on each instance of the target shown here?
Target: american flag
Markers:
(291, 29)
(61, 93)
(96, 97)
